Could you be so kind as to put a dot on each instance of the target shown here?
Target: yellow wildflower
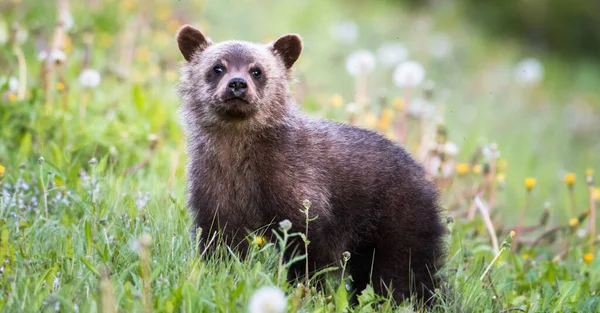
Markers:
(529, 183)
(1, 170)
(589, 172)
(60, 86)
(597, 194)
(105, 40)
(398, 103)
(67, 44)
(477, 169)
(370, 120)
(171, 75)
(570, 179)
(500, 177)
(574, 222)
(526, 256)
(11, 97)
(142, 54)
(512, 234)
(260, 241)
(386, 119)
(463, 168)
(127, 5)
(588, 258)
(337, 101)
(390, 135)
(501, 165)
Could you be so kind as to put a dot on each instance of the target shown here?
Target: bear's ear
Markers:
(288, 47)
(191, 40)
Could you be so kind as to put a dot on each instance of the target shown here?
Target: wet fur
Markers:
(372, 199)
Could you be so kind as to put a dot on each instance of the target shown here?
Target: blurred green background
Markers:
(522, 75)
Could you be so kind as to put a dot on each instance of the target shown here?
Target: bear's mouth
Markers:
(235, 108)
(236, 100)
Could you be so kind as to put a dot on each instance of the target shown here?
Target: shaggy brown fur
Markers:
(254, 158)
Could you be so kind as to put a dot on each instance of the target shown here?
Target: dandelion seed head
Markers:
(351, 108)
(345, 31)
(392, 53)
(267, 300)
(89, 78)
(409, 74)
(360, 62)
(440, 46)
(13, 84)
(451, 148)
(529, 71)
(285, 225)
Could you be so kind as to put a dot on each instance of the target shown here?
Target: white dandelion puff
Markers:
(68, 20)
(58, 56)
(13, 84)
(450, 148)
(490, 151)
(392, 53)
(285, 225)
(409, 74)
(441, 46)
(89, 78)
(345, 31)
(268, 300)
(360, 62)
(352, 108)
(420, 108)
(529, 71)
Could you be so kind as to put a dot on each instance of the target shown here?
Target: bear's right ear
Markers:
(190, 41)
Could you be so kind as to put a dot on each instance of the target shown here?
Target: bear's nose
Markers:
(237, 86)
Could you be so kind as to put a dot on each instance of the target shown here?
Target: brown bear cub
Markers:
(254, 158)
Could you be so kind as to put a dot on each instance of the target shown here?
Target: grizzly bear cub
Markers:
(254, 158)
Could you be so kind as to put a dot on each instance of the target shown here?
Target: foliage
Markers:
(100, 220)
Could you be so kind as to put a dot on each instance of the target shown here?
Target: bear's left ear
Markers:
(288, 47)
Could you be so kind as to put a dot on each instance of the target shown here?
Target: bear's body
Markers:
(254, 158)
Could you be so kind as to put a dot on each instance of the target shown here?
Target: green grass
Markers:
(98, 211)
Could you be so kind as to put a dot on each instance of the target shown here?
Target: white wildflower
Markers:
(352, 108)
(420, 108)
(21, 35)
(13, 84)
(441, 46)
(89, 78)
(3, 32)
(450, 148)
(58, 56)
(392, 53)
(490, 151)
(360, 62)
(345, 31)
(285, 225)
(68, 20)
(529, 71)
(268, 300)
(42, 55)
(409, 74)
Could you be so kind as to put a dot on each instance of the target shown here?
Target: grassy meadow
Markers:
(92, 158)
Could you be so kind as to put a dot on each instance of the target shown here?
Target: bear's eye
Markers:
(256, 72)
(218, 69)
